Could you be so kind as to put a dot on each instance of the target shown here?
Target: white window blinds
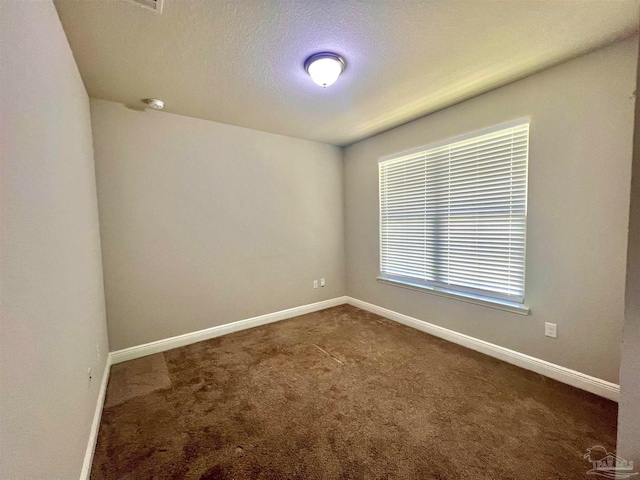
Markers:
(454, 215)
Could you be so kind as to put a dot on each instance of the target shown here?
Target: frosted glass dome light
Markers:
(324, 68)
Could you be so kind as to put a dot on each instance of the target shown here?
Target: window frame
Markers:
(471, 295)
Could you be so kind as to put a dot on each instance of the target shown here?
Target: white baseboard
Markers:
(194, 337)
(562, 374)
(565, 375)
(95, 425)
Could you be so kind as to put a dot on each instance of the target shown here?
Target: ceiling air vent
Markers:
(155, 5)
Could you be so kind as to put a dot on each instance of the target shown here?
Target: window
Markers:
(453, 216)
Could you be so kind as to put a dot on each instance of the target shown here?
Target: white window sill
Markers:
(505, 305)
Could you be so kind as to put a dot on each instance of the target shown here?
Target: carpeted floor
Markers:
(342, 394)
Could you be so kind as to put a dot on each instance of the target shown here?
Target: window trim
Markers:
(506, 305)
(459, 138)
(474, 297)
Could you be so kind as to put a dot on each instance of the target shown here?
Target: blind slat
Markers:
(455, 215)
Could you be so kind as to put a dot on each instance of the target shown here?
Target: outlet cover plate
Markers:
(550, 330)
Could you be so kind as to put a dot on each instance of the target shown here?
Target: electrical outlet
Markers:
(550, 330)
(322, 282)
(315, 284)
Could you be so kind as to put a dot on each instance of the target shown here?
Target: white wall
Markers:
(629, 408)
(51, 294)
(204, 224)
(579, 169)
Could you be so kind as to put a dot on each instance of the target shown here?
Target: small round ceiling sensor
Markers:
(154, 103)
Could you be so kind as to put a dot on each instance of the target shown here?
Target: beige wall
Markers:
(629, 408)
(204, 224)
(51, 295)
(579, 169)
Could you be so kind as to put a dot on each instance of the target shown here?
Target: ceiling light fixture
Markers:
(154, 103)
(324, 68)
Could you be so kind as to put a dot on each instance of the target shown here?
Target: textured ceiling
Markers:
(241, 62)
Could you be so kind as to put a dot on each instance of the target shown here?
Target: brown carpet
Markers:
(342, 394)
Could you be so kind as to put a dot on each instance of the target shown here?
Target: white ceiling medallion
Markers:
(324, 68)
